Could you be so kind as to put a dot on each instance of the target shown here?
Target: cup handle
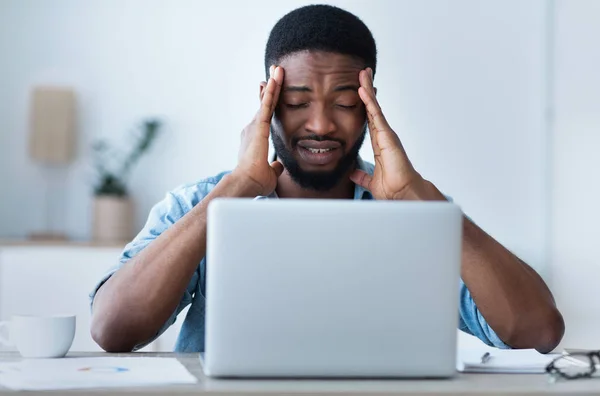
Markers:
(4, 340)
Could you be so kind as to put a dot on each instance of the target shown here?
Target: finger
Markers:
(368, 82)
(369, 98)
(269, 100)
(278, 74)
(369, 118)
(372, 131)
(361, 178)
(278, 167)
(259, 142)
(367, 95)
(373, 137)
(382, 135)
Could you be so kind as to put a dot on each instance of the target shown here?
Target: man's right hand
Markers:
(253, 160)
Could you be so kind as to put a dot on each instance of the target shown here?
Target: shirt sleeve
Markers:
(161, 217)
(471, 321)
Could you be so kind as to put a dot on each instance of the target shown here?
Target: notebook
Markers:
(512, 361)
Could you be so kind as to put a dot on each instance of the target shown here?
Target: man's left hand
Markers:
(394, 176)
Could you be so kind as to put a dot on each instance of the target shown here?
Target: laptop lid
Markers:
(332, 288)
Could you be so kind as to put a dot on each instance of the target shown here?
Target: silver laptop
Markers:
(332, 288)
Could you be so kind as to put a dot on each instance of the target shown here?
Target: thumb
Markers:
(277, 167)
(361, 178)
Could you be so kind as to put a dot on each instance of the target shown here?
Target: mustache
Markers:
(318, 138)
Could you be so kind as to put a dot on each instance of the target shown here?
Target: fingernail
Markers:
(271, 71)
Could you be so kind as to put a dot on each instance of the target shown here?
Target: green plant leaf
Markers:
(114, 182)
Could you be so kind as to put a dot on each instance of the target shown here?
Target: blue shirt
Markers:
(191, 337)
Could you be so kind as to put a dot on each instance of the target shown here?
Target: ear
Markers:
(261, 92)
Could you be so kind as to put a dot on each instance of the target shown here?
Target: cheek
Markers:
(289, 122)
(351, 124)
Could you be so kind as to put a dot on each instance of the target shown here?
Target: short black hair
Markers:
(320, 28)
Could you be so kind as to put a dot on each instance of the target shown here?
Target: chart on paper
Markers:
(72, 373)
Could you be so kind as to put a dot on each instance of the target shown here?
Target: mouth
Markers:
(319, 156)
(318, 151)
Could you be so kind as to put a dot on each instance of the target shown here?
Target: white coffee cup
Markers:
(40, 336)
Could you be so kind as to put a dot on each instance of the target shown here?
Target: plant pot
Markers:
(113, 219)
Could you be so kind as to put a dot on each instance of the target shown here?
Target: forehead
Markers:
(310, 68)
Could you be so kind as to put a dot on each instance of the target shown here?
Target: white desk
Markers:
(469, 384)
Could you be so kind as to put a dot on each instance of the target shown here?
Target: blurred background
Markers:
(497, 102)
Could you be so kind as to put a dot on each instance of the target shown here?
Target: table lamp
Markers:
(52, 144)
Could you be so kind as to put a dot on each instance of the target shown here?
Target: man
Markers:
(316, 105)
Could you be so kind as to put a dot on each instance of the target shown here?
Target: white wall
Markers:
(462, 81)
(576, 161)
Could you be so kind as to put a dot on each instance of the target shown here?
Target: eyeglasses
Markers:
(574, 365)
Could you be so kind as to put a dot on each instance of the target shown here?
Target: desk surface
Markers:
(470, 384)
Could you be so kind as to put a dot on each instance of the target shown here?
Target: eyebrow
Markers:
(349, 87)
(296, 89)
(303, 88)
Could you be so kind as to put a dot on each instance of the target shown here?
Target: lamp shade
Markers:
(52, 124)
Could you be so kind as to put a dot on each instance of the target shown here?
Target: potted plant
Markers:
(113, 207)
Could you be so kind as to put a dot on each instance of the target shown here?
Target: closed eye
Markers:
(296, 106)
(347, 107)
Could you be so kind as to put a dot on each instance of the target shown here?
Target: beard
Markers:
(316, 180)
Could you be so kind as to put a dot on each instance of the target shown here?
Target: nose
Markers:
(320, 121)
